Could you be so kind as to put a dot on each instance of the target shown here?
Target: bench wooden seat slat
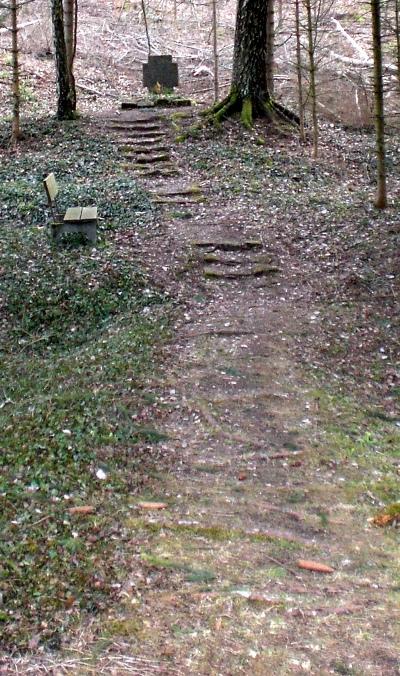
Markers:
(75, 220)
(89, 214)
(73, 214)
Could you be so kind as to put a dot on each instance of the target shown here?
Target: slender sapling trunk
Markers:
(381, 191)
(397, 25)
(299, 71)
(313, 84)
(215, 49)
(16, 131)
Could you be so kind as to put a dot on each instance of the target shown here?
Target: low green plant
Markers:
(78, 338)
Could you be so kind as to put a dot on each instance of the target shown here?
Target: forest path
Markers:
(267, 453)
(214, 585)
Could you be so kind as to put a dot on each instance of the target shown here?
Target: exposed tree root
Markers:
(250, 108)
(282, 112)
(229, 106)
(246, 114)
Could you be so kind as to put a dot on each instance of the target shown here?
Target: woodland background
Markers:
(112, 45)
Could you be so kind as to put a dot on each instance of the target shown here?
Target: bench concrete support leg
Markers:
(87, 228)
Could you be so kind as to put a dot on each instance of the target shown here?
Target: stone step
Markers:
(179, 200)
(219, 259)
(161, 102)
(177, 190)
(142, 141)
(137, 127)
(150, 159)
(138, 120)
(143, 135)
(228, 245)
(213, 272)
(165, 169)
(134, 105)
(144, 150)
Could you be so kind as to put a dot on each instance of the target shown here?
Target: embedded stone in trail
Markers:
(144, 150)
(162, 102)
(255, 271)
(178, 195)
(150, 159)
(136, 126)
(139, 103)
(238, 258)
(174, 102)
(143, 140)
(142, 143)
(141, 137)
(178, 200)
(177, 190)
(229, 245)
(150, 119)
(166, 169)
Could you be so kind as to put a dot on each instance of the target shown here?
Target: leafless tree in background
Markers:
(13, 8)
(381, 191)
(299, 67)
(16, 131)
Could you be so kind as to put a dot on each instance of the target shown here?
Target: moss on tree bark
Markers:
(249, 95)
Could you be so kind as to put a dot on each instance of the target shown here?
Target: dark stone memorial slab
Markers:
(160, 70)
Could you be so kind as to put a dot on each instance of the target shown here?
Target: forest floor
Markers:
(263, 429)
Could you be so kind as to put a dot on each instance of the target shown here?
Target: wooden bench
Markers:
(75, 220)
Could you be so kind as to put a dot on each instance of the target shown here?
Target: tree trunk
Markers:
(313, 70)
(215, 49)
(146, 25)
(270, 47)
(299, 71)
(249, 92)
(16, 132)
(381, 193)
(397, 27)
(249, 58)
(70, 21)
(65, 109)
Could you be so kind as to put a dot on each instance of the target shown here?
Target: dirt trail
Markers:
(213, 585)
(247, 496)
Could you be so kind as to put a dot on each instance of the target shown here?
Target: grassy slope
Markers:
(78, 329)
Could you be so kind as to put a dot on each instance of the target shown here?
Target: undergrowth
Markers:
(79, 328)
(87, 169)
(363, 445)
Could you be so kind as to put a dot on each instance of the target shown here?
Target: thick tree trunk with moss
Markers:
(249, 92)
(249, 80)
(65, 104)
